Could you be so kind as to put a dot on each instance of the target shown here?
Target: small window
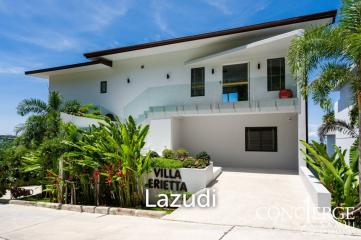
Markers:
(197, 82)
(275, 74)
(103, 87)
(262, 139)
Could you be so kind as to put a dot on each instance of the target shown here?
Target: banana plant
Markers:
(107, 160)
(334, 172)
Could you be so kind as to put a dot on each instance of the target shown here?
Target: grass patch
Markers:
(160, 162)
(36, 199)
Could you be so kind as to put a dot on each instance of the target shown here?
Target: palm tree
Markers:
(45, 121)
(336, 51)
(330, 124)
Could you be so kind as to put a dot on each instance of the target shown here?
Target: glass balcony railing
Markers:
(175, 99)
(265, 106)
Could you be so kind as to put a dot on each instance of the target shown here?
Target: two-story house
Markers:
(216, 92)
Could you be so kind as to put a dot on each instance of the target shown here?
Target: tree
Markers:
(336, 51)
(330, 124)
(45, 121)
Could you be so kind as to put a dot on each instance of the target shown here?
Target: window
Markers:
(262, 139)
(103, 87)
(235, 82)
(197, 82)
(275, 74)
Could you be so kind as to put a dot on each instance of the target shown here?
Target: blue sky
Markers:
(36, 34)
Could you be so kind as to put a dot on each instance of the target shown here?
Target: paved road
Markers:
(20, 222)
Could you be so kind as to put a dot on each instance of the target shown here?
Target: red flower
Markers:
(108, 181)
(96, 174)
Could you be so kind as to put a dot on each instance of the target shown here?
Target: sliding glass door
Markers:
(235, 82)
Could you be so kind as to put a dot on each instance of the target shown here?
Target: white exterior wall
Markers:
(160, 135)
(342, 108)
(149, 86)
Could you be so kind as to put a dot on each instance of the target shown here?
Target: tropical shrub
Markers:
(168, 153)
(153, 154)
(194, 163)
(181, 153)
(204, 156)
(106, 166)
(338, 176)
(72, 107)
(160, 162)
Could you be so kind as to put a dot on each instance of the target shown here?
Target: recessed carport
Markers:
(224, 138)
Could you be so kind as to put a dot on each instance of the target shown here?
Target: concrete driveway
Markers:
(234, 218)
(267, 200)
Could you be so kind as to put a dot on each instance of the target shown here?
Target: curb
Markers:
(4, 201)
(91, 209)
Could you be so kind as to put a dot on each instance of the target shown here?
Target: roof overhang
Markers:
(329, 16)
(103, 59)
(99, 63)
(273, 43)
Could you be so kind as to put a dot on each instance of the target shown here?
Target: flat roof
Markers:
(329, 14)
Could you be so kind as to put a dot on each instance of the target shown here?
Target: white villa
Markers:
(216, 92)
(342, 108)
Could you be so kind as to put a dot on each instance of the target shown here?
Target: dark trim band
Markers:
(76, 65)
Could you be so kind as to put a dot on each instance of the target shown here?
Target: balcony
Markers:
(264, 106)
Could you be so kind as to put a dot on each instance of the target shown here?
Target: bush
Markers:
(195, 163)
(181, 153)
(160, 162)
(204, 156)
(72, 107)
(153, 154)
(168, 153)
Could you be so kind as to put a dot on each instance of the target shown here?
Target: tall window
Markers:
(262, 139)
(103, 87)
(275, 74)
(235, 82)
(197, 82)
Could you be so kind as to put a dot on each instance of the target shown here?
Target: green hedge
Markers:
(161, 162)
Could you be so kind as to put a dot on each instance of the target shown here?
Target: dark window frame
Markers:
(103, 87)
(240, 86)
(281, 76)
(275, 142)
(197, 88)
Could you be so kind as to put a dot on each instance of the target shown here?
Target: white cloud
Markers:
(313, 131)
(58, 25)
(11, 70)
(159, 18)
(221, 5)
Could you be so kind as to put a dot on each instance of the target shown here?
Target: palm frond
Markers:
(55, 101)
(333, 75)
(309, 50)
(336, 125)
(31, 105)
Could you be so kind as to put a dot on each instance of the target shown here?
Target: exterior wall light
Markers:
(128, 80)
(212, 70)
(259, 66)
(142, 67)
(168, 75)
